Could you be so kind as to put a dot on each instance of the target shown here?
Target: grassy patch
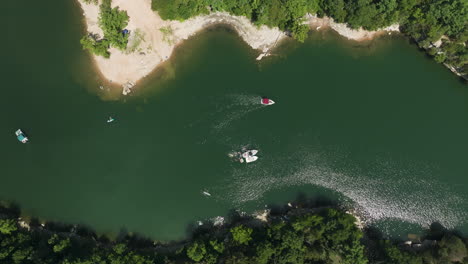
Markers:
(137, 38)
(167, 34)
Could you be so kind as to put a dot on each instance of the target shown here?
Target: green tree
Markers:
(21, 254)
(395, 255)
(196, 251)
(335, 8)
(440, 57)
(61, 245)
(7, 226)
(218, 246)
(112, 21)
(452, 248)
(300, 31)
(241, 234)
(180, 9)
(95, 2)
(264, 253)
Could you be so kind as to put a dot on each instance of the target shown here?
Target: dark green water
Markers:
(379, 126)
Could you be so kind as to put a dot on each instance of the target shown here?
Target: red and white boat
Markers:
(266, 101)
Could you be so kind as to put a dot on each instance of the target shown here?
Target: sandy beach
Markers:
(152, 39)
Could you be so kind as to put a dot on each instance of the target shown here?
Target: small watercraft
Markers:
(251, 159)
(206, 193)
(266, 101)
(110, 119)
(249, 156)
(248, 153)
(21, 136)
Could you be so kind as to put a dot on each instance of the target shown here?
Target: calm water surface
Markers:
(379, 126)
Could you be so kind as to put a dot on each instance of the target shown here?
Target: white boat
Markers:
(248, 153)
(266, 101)
(249, 156)
(110, 119)
(251, 159)
(206, 193)
(21, 136)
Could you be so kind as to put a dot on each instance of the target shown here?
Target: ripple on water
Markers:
(235, 106)
(384, 192)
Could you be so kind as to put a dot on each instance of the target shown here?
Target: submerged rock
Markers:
(127, 87)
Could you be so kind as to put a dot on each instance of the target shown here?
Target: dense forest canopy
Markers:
(290, 236)
(425, 21)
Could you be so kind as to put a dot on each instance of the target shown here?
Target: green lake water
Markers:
(379, 126)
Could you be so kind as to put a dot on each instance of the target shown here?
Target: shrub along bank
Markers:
(294, 236)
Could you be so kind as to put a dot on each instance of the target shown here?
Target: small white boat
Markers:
(251, 159)
(266, 101)
(248, 153)
(206, 193)
(110, 119)
(21, 136)
(249, 156)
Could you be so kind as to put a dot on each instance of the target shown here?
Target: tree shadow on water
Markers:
(10, 210)
(235, 217)
(303, 201)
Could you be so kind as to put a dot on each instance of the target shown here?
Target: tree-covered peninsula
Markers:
(288, 236)
(438, 26)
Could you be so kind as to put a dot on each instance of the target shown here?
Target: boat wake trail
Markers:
(235, 107)
(385, 192)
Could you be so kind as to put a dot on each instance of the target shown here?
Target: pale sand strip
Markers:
(317, 23)
(126, 69)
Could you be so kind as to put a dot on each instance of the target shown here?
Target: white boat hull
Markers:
(251, 159)
(249, 153)
(249, 156)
